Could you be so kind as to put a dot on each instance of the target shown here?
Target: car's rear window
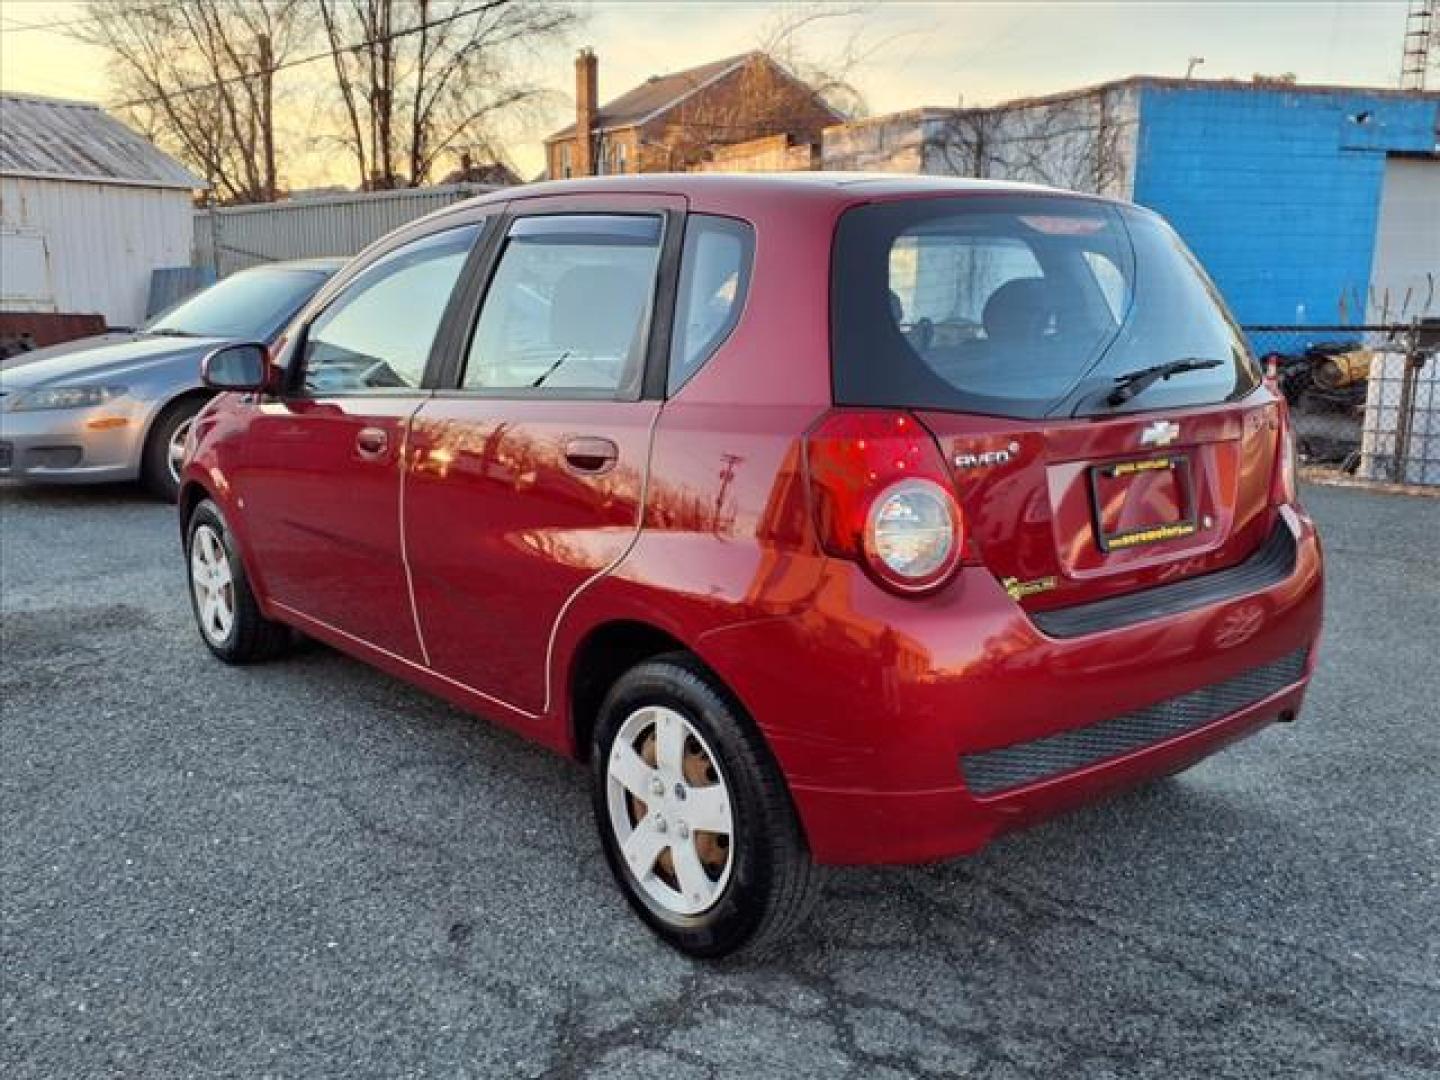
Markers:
(1023, 306)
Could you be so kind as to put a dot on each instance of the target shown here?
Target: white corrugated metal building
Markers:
(234, 237)
(88, 209)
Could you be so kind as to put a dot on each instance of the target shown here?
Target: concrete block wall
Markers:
(894, 143)
(1080, 142)
(1083, 142)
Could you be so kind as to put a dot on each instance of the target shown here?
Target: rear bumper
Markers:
(57, 446)
(925, 729)
(849, 827)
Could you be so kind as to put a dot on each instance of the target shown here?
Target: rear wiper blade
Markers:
(165, 331)
(1129, 385)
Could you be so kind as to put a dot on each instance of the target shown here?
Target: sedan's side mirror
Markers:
(243, 367)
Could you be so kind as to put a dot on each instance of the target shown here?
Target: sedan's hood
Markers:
(103, 359)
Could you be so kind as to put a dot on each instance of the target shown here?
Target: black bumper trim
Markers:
(1270, 564)
(993, 771)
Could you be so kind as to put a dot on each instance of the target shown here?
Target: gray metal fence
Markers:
(1365, 400)
(234, 237)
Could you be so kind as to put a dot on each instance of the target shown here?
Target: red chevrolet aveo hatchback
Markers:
(832, 519)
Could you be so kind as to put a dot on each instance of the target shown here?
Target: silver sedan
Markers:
(118, 406)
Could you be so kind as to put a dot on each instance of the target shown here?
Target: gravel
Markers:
(310, 869)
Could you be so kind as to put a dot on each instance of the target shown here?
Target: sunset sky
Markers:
(928, 54)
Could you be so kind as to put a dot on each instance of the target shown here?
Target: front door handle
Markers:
(372, 442)
(591, 454)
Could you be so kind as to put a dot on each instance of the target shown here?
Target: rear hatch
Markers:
(1016, 328)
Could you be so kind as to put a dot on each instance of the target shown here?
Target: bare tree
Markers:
(790, 37)
(419, 78)
(199, 79)
(795, 83)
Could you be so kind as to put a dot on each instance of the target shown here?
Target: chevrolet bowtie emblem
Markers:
(1160, 433)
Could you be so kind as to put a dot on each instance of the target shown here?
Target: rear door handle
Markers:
(372, 442)
(591, 454)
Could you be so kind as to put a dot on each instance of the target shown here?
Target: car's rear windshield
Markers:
(1024, 306)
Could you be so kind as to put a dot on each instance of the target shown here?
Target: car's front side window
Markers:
(568, 307)
(378, 333)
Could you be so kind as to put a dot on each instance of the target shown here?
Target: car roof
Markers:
(842, 188)
(327, 264)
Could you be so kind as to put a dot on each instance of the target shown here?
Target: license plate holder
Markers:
(1114, 483)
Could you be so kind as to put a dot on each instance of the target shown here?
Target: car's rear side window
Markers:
(714, 278)
(1021, 306)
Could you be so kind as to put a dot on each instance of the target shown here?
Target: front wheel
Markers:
(226, 611)
(694, 817)
(164, 455)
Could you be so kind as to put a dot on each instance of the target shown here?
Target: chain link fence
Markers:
(1365, 400)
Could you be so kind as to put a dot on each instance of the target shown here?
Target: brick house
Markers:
(677, 122)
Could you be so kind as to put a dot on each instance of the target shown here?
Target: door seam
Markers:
(606, 570)
(404, 544)
(425, 668)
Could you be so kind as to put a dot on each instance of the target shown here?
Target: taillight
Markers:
(881, 496)
(1287, 462)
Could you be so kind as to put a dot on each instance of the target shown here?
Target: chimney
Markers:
(587, 89)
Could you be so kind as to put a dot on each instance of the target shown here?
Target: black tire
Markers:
(250, 636)
(155, 469)
(772, 881)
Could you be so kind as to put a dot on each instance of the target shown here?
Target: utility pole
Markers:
(1420, 32)
(267, 115)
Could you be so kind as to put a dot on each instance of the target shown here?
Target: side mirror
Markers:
(237, 367)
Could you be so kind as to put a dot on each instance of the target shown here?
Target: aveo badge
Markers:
(966, 459)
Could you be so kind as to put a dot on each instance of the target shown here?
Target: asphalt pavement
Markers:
(310, 869)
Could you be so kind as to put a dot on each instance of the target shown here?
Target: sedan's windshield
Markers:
(252, 305)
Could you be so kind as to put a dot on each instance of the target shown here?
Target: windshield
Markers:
(1024, 306)
(252, 305)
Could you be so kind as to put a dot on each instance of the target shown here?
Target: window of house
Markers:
(620, 157)
(568, 307)
(377, 334)
(565, 160)
(714, 276)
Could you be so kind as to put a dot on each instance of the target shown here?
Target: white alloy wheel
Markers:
(175, 451)
(213, 584)
(670, 810)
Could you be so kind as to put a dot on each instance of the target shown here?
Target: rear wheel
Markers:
(694, 816)
(164, 454)
(225, 609)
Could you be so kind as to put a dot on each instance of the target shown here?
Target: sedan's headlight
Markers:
(65, 397)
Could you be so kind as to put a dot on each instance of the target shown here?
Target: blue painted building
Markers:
(1306, 203)
(1279, 190)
